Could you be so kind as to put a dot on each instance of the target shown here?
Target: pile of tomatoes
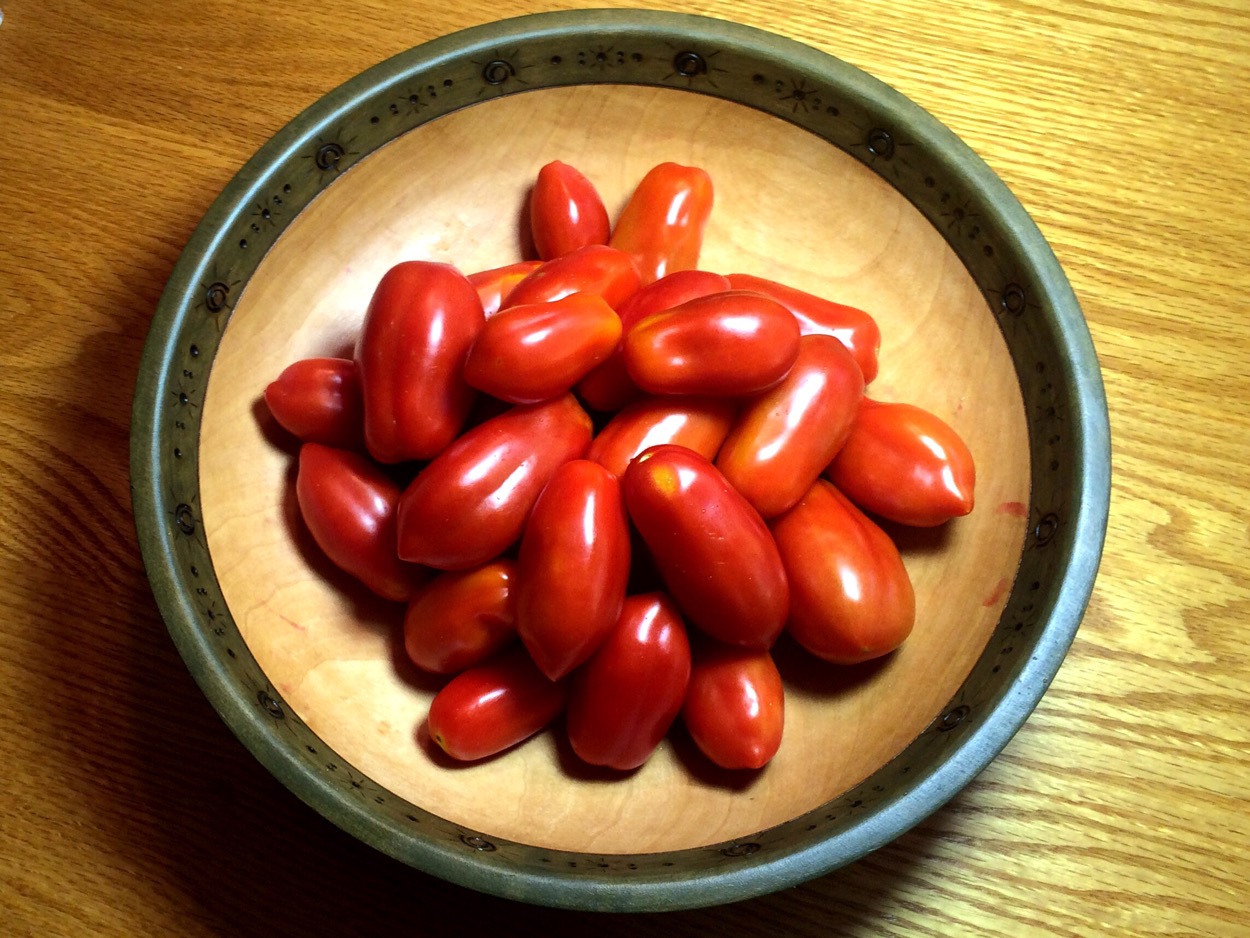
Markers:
(604, 481)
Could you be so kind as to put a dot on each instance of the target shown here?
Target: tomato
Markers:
(471, 502)
(711, 547)
(732, 343)
(573, 567)
(697, 423)
(494, 706)
(461, 618)
(596, 268)
(318, 400)
(906, 464)
(417, 331)
(853, 327)
(349, 506)
(608, 386)
(566, 211)
(735, 705)
(495, 285)
(851, 598)
(530, 353)
(663, 222)
(624, 699)
(786, 436)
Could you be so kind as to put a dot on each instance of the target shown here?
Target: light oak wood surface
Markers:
(1120, 807)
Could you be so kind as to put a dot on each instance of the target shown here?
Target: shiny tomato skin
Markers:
(728, 344)
(663, 223)
(495, 285)
(906, 464)
(735, 705)
(625, 698)
(470, 504)
(853, 327)
(572, 567)
(461, 618)
(697, 423)
(785, 437)
(494, 706)
(318, 400)
(608, 387)
(566, 211)
(711, 548)
(349, 505)
(536, 351)
(851, 598)
(420, 323)
(596, 268)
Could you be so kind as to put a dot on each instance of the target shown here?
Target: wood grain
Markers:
(1118, 809)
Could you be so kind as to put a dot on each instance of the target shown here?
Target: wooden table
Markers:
(1120, 808)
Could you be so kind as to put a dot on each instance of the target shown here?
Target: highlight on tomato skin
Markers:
(697, 423)
(604, 271)
(318, 400)
(496, 284)
(906, 464)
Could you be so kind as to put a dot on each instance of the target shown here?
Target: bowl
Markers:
(825, 179)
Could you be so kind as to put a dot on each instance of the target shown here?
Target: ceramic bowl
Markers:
(825, 179)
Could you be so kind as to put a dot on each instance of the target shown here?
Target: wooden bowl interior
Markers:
(789, 206)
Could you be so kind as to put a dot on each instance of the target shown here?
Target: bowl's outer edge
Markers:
(751, 872)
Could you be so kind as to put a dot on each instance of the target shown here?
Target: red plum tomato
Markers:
(735, 705)
(711, 548)
(663, 223)
(851, 598)
(461, 618)
(417, 330)
(573, 567)
(349, 505)
(566, 211)
(494, 706)
(625, 698)
(470, 504)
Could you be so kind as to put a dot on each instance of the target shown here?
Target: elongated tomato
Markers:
(624, 699)
(471, 502)
(608, 386)
(735, 705)
(566, 211)
(417, 331)
(663, 223)
(710, 546)
(905, 463)
(461, 618)
(573, 567)
(853, 327)
(785, 437)
(697, 423)
(350, 506)
(596, 268)
(494, 706)
(319, 401)
(734, 343)
(851, 598)
(536, 351)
